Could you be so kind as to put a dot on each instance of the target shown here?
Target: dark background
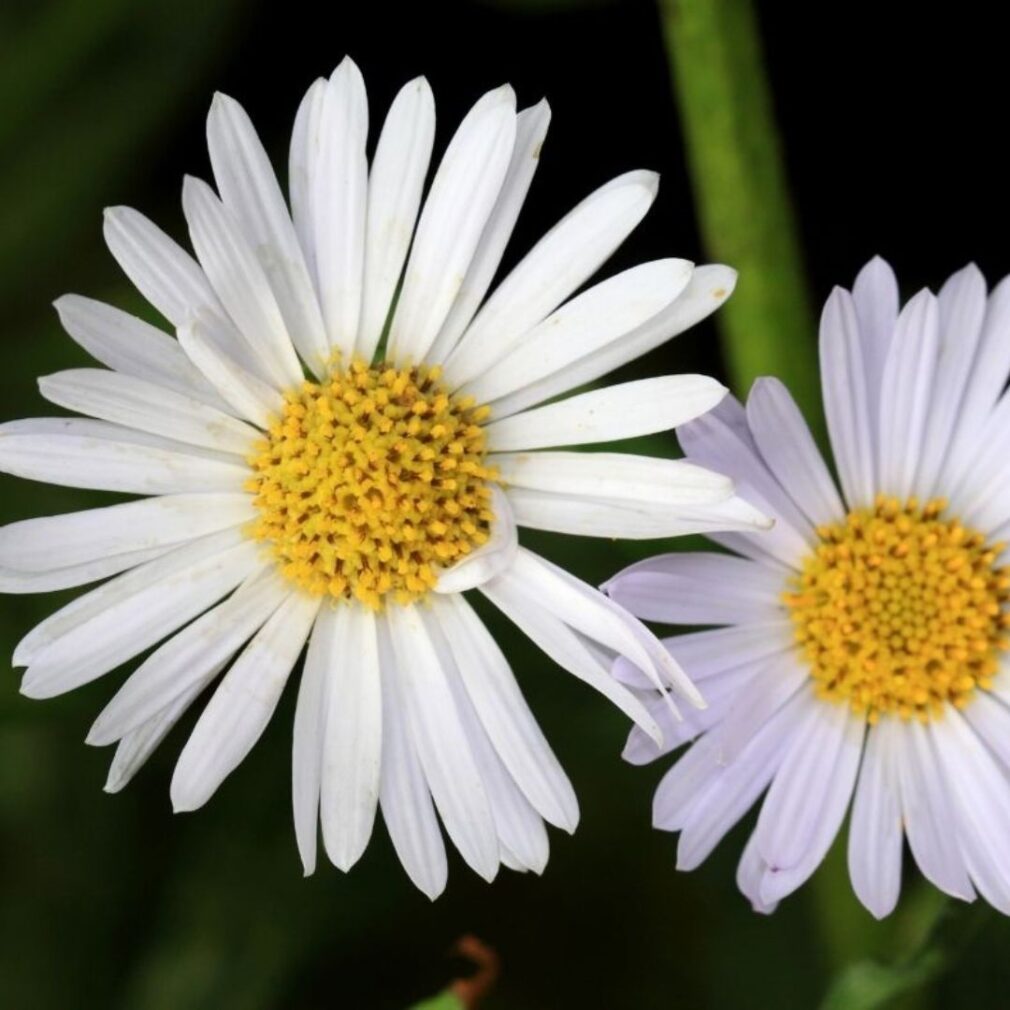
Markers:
(894, 132)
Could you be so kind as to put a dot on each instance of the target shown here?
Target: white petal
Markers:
(449, 768)
(136, 403)
(403, 794)
(707, 289)
(249, 396)
(129, 626)
(170, 279)
(133, 347)
(592, 614)
(613, 476)
(249, 189)
(138, 745)
(140, 578)
(875, 298)
(531, 130)
(905, 398)
(988, 377)
(191, 659)
(395, 185)
(352, 747)
(599, 316)
(303, 153)
(459, 203)
(74, 575)
(309, 738)
(927, 811)
(624, 519)
(436, 738)
(989, 717)
(240, 282)
(693, 588)
(505, 716)
(846, 401)
(521, 832)
(560, 263)
(338, 177)
(627, 410)
(875, 832)
(509, 595)
(980, 793)
(961, 303)
(490, 558)
(242, 705)
(77, 538)
(111, 464)
(788, 448)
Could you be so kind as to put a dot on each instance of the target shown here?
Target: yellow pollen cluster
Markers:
(899, 611)
(370, 482)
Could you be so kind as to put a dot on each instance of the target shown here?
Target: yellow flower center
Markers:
(899, 611)
(370, 482)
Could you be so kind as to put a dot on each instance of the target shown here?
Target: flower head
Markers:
(341, 440)
(861, 653)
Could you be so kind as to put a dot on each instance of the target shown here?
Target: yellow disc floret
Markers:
(900, 611)
(370, 482)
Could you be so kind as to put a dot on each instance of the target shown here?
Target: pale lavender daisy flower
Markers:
(856, 651)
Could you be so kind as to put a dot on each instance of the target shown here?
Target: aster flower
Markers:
(859, 653)
(336, 446)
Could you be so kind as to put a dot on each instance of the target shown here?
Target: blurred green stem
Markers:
(940, 930)
(740, 190)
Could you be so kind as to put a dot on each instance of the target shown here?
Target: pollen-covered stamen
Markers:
(372, 481)
(900, 611)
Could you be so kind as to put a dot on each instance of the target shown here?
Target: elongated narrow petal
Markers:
(247, 395)
(531, 129)
(404, 796)
(462, 197)
(395, 184)
(567, 256)
(240, 282)
(352, 745)
(114, 465)
(628, 410)
(131, 346)
(338, 182)
(190, 659)
(589, 321)
(242, 705)
(145, 406)
(449, 767)
(77, 538)
(128, 627)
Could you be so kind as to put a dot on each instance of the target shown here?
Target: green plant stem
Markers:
(741, 194)
(943, 928)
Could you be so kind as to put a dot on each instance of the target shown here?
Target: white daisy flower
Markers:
(325, 468)
(860, 650)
